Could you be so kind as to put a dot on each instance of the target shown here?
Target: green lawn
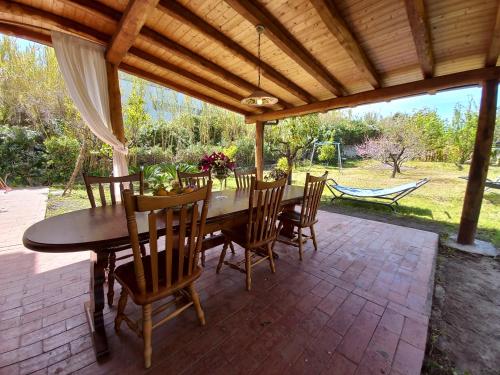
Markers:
(436, 206)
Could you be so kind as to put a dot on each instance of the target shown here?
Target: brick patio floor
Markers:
(359, 305)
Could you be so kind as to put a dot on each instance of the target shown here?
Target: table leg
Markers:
(94, 308)
(287, 230)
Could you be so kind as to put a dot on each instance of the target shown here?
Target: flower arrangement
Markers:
(219, 163)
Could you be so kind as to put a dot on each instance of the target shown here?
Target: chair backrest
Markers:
(244, 177)
(198, 179)
(187, 213)
(125, 182)
(313, 190)
(265, 198)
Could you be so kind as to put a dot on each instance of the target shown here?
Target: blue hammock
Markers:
(392, 194)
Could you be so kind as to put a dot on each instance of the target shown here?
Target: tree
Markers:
(136, 116)
(398, 143)
(462, 133)
(292, 137)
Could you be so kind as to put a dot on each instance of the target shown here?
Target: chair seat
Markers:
(125, 274)
(293, 217)
(237, 234)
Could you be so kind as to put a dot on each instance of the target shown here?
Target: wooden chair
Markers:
(168, 273)
(244, 177)
(198, 179)
(109, 182)
(313, 190)
(258, 236)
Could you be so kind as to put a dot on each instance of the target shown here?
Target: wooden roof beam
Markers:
(178, 87)
(494, 49)
(185, 73)
(340, 30)
(456, 80)
(58, 22)
(25, 33)
(173, 47)
(130, 25)
(184, 15)
(279, 35)
(30, 33)
(417, 16)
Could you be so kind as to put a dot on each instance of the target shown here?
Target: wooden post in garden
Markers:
(259, 149)
(479, 164)
(115, 103)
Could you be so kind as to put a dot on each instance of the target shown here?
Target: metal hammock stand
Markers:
(336, 144)
(390, 194)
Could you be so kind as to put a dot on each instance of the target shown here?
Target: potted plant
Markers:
(218, 163)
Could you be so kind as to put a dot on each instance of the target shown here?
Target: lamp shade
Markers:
(259, 98)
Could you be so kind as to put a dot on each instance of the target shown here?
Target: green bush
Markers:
(245, 156)
(327, 153)
(193, 153)
(139, 156)
(21, 155)
(282, 165)
(62, 153)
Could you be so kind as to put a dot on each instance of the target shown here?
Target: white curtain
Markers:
(83, 68)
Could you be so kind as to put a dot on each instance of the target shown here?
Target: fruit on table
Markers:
(161, 192)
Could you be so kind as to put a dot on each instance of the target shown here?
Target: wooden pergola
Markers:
(317, 55)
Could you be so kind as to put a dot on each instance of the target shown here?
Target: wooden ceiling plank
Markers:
(60, 23)
(129, 27)
(278, 34)
(419, 25)
(456, 80)
(184, 15)
(175, 48)
(494, 49)
(29, 32)
(340, 30)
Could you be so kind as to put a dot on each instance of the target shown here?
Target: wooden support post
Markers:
(479, 164)
(115, 104)
(259, 149)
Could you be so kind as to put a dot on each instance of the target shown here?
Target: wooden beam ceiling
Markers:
(494, 49)
(184, 15)
(340, 30)
(173, 47)
(178, 87)
(456, 80)
(25, 33)
(417, 16)
(58, 22)
(279, 35)
(64, 23)
(130, 25)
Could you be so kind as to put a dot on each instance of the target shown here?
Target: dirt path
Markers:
(465, 323)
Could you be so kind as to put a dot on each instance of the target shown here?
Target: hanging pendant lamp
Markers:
(259, 98)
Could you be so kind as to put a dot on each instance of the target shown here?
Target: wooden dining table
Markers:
(103, 228)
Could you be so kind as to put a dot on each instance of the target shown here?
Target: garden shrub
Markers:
(151, 155)
(21, 155)
(327, 153)
(282, 165)
(61, 154)
(193, 153)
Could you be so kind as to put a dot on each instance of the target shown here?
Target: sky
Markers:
(443, 102)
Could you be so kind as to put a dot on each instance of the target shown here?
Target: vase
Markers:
(221, 175)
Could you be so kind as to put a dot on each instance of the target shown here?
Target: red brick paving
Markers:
(360, 305)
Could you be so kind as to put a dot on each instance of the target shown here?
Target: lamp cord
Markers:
(258, 82)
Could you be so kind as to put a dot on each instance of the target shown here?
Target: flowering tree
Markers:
(399, 142)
